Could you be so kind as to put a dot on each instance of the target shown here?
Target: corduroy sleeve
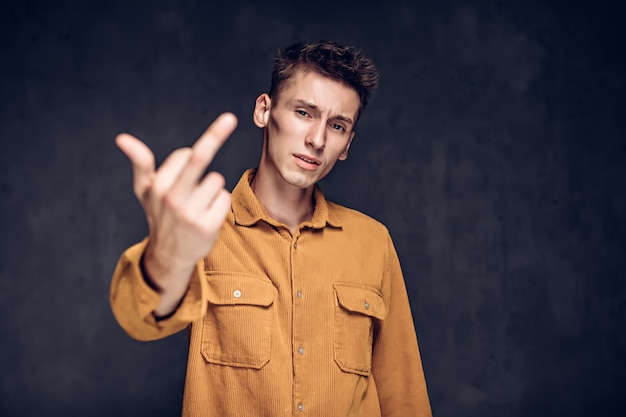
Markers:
(133, 300)
(396, 363)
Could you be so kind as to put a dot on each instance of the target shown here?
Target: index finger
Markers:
(206, 147)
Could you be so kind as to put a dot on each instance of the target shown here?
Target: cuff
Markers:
(133, 300)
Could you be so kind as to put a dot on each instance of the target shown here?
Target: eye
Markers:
(337, 126)
(302, 113)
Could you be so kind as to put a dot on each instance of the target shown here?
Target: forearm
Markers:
(396, 364)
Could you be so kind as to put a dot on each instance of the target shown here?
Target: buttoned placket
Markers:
(299, 328)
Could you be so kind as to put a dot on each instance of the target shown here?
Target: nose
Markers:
(316, 137)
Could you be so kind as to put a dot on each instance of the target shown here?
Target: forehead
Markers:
(324, 92)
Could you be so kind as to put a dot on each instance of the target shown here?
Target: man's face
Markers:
(309, 126)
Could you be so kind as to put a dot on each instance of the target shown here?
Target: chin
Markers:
(299, 180)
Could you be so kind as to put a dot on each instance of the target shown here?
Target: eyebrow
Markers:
(314, 107)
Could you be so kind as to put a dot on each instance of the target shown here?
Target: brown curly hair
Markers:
(345, 64)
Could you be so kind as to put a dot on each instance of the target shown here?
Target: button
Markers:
(299, 294)
(295, 245)
(301, 350)
(300, 407)
(367, 305)
(237, 294)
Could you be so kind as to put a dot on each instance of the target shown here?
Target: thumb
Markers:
(141, 159)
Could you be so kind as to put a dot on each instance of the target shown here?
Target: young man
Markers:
(295, 305)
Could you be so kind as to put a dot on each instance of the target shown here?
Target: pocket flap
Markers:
(363, 300)
(233, 288)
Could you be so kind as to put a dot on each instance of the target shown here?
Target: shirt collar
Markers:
(248, 210)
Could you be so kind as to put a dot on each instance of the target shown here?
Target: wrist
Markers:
(163, 273)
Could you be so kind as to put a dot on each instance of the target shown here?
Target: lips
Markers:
(308, 159)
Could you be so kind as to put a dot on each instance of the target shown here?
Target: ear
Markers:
(344, 155)
(262, 107)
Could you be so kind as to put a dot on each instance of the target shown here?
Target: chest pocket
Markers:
(237, 328)
(356, 309)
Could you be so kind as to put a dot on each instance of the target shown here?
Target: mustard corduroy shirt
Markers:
(316, 323)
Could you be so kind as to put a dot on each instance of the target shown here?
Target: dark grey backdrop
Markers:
(494, 151)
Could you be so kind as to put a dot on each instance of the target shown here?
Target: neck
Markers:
(285, 203)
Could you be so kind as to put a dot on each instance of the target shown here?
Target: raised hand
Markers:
(184, 209)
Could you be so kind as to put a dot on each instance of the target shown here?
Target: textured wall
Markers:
(494, 151)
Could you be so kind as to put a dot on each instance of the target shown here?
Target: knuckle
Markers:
(178, 154)
(216, 179)
(197, 159)
(184, 150)
(171, 201)
(182, 153)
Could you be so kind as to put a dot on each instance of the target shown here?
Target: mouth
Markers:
(307, 159)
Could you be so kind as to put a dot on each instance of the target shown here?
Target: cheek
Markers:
(329, 167)
(340, 147)
(274, 126)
